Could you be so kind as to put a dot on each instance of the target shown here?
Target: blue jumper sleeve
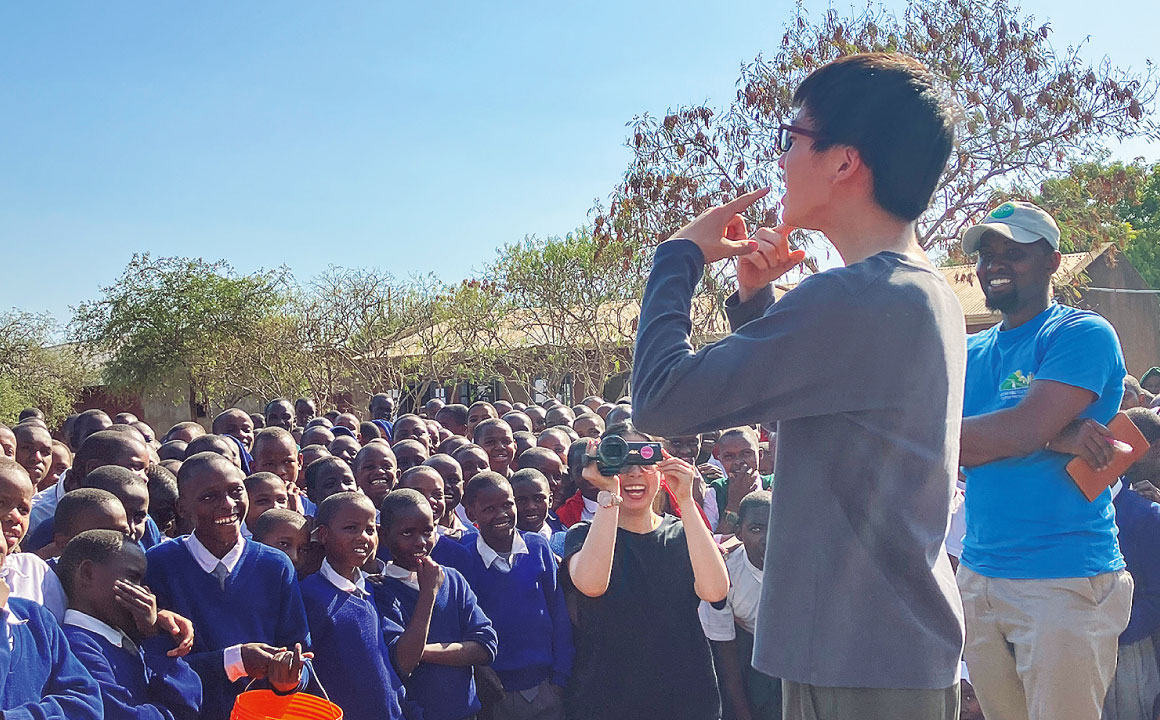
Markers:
(70, 692)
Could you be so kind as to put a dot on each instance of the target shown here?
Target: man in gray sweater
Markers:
(862, 369)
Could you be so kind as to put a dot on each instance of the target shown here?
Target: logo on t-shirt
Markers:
(1015, 385)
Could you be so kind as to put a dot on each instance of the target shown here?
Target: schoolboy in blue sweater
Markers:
(40, 677)
(440, 677)
(445, 549)
(351, 655)
(514, 578)
(242, 596)
(111, 625)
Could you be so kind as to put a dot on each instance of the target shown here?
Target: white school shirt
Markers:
(332, 576)
(232, 655)
(30, 578)
(44, 504)
(409, 578)
(589, 510)
(491, 557)
(740, 604)
(85, 621)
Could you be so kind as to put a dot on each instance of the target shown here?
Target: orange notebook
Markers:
(1092, 482)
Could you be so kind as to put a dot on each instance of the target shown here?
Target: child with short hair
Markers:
(266, 492)
(288, 531)
(730, 624)
(242, 596)
(81, 510)
(533, 498)
(26, 575)
(429, 483)
(374, 471)
(327, 476)
(553, 469)
(477, 413)
(163, 500)
(227, 447)
(134, 496)
(472, 459)
(454, 517)
(34, 451)
(409, 453)
(345, 627)
(439, 676)
(514, 579)
(40, 677)
(111, 625)
(276, 452)
(61, 461)
(495, 437)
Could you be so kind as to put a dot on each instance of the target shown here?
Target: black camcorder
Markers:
(614, 453)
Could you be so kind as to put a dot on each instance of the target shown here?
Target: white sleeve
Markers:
(718, 624)
(235, 668)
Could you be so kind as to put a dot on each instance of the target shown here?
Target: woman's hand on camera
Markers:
(593, 475)
(679, 476)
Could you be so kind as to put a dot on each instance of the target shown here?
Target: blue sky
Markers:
(408, 136)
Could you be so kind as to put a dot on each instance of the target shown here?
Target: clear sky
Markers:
(408, 136)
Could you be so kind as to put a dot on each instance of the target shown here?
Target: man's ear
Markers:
(1056, 258)
(84, 575)
(321, 533)
(847, 163)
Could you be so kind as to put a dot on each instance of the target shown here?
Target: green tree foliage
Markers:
(177, 322)
(1028, 109)
(1142, 212)
(33, 371)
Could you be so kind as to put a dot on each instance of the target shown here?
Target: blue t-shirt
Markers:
(1025, 516)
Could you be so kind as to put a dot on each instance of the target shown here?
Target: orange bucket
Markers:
(267, 705)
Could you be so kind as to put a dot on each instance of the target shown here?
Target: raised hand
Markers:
(430, 575)
(771, 259)
(593, 475)
(285, 669)
(179, 628)
(679, 476)
(720, 231)
(140, 603)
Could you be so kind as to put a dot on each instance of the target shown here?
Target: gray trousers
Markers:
(808, 702)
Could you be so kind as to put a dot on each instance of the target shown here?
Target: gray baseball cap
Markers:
(1018, 221)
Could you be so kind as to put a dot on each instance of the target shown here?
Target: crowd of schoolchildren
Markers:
(445, 564)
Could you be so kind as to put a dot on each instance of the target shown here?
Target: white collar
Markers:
(753, 569)
(589, 505)
(1117, 488)
(10, 617)
(90, 623)
(206, 559)
(409, 578)
(490, 556)
(545, 531)
(246, 533)
(344, 584)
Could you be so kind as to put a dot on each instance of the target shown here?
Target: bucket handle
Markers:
(314, 675)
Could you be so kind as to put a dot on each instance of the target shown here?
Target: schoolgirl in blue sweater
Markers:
(242, 596)
(514, 578)
(111, 625)
(460, 635)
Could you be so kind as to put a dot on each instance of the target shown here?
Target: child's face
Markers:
(685, 447)
(552, 469)
(304, 460)
(98, 580)
(34, 452)
(476, 415)
(452, 476)
(7, 442)
(433, 429)
(345, 447)
(411, 428)
(588, 426)
(473, 462)
(336, 478)
(133, 456)
(289, 539)
(215, 502)
(752, 532)
(410, 536)
(135, 499)
(531, 498)
(61, 459)
(351, 538)
(409, 455)
(537, 416)
(738, 454)
(239, 425)
(557, 442)
(100, 517)
(375, 474)
(430, 485)
(280, 414)
(16, 493)
(266, 494)
(493, 509)
(499, 445)
(280, 458)
(518, 421)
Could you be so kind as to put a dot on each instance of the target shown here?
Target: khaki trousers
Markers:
(1043, 649)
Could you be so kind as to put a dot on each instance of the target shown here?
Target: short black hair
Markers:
(369, 431)
(162, 486)
(275, 401)
(272, 434)
(888, 108)
(528, 475)
(319, 466)
(458, 412)
(744, 431)
(466, 448)
(255, 478)
(1146, 421)
(79, 425)
(209, 443)
(485, 424)
(172, 450)
(398, 501)
(202, 461)
(105, 446)
(108, 477)
(98, 546)
(32, 412)
(758, 500)
(483, 480)
(75, 503)
(273, 517)
(412, 471)
(329, 507)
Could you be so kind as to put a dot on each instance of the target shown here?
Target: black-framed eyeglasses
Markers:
(785, 133)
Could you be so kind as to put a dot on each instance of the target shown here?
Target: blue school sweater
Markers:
(1138, 521)
(447, 552)
(43, 679)
(143, 685)
(526, 607)
(351, 655)
(261, 603)
(442, 692)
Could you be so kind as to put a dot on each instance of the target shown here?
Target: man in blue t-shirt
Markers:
(1044, 588)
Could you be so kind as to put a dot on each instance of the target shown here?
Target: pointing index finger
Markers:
(742, 203)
